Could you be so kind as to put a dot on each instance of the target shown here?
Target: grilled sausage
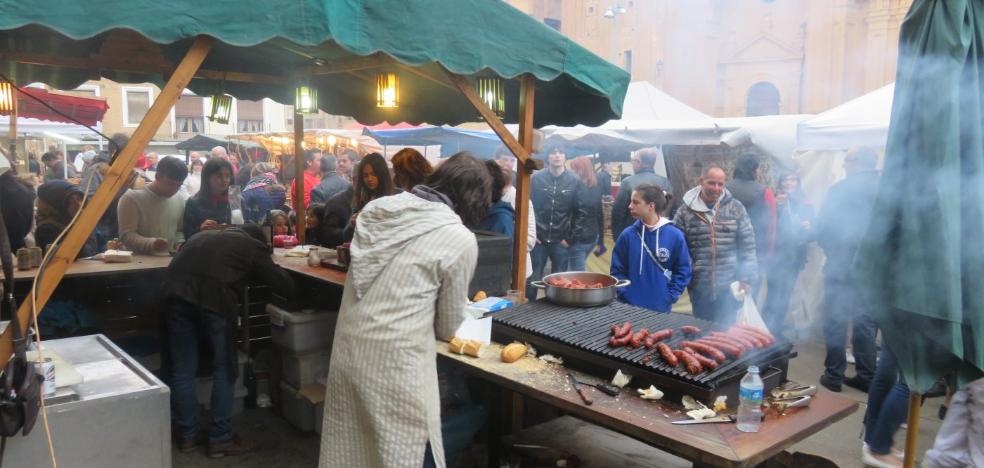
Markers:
(693, 365)
(689, 330)
(735, 338)
(762, 334)
(667, 353)
(625, 330)
(707, 349)
(725, 347)
(703, 360)
(637, 339)
(658, 336)
(752, 338)
(618, 342)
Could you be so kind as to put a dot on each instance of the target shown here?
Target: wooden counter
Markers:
(299, 265)
(85, 267)
(650, 422)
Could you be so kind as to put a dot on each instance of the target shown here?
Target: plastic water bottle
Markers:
(750, 401)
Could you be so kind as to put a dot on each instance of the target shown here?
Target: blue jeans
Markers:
(579, 256)
(842, 303)
(558, 255)
(185, 324)
(717, 306)
(888, 400)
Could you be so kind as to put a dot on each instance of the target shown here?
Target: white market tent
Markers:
(859, 122)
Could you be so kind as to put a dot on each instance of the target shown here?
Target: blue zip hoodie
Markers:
(651, 288)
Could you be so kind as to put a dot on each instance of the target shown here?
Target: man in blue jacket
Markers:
(651, 253)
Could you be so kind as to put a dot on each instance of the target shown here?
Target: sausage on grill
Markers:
(762, 334)
(730, 349)
(707, 349)
(617, 342)
(658, 336)
(667, 353)
(689, 330)
(636, 340)
(703, 360)
(626, 329)
(693, 365)
(752, 338)
(735, 338)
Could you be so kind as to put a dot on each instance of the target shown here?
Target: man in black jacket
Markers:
(643, 163)
(554, 192)
(201, 292)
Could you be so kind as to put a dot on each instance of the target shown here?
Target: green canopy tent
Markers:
(922, 259)
(265, 49)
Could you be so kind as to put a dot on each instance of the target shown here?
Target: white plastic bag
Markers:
(748, 314)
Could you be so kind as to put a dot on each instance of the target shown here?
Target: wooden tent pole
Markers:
(525, 164)
(13, 130)
(114, 181)
(912, 432)
(299, 210)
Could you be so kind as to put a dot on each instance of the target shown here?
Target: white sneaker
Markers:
(850, 357)
(895, 453)
(868, 459)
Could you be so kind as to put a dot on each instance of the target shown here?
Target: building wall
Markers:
(708, 53)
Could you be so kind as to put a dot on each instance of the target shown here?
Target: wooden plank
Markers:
(299, 265)
(114, 181)
(523, 172)
(498, 127)
(650, 422)
(299, 176)
(83, 267)
(351, 64)
(423, 74)
(12, 123)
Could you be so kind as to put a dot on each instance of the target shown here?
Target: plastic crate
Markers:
(296, 409)
(302, 330)
(300, 369)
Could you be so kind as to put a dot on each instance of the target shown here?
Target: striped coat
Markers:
(412, 261)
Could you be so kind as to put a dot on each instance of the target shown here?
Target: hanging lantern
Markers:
(491, 91)
(6, 98)
(387, 90)
(221, 108)
(306, 100)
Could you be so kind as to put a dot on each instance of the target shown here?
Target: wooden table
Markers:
(299, 265)
(85, 267)
(650, 422)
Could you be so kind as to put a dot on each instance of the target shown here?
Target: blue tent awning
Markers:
(451, 140)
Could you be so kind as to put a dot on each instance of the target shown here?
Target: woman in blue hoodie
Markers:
(652, 253)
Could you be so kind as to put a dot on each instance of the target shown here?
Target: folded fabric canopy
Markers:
(78, 109)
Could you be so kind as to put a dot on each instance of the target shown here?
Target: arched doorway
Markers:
(763, 99)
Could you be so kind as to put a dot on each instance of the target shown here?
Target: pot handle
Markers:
(622, 283)
(538, 284)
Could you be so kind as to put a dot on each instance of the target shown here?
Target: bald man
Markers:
(721, 239)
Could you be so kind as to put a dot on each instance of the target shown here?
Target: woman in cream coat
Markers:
(412, 260)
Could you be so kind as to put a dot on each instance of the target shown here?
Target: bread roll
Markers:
(456, 345)
(472, 348)
(512, 352)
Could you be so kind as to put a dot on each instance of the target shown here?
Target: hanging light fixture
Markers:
(221, 108)
(491, 91)
(306, 100)
(387, 90)
(332, 140)
(6, 98)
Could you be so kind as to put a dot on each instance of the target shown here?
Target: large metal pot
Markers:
(581, 297)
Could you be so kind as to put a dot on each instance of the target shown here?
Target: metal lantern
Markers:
(221, 108)
(306, 100)
(491, 91)
(387, 90)
(6, 98)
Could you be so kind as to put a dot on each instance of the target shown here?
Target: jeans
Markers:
(888, 400)
(579, 256)
(717, 306)
(185, 324)
(842, 303)
(780, 283)
(429, 457)
(558, 255)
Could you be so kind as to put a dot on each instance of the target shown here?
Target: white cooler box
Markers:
(302, 330)
(300, 369)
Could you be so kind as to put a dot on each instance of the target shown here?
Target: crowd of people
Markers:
(724, 230)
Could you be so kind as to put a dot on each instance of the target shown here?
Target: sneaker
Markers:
(829, 384)
(895, 453)
(850, 357)
(873, 460)
(189, 444)
(857, 383)
(231, 447)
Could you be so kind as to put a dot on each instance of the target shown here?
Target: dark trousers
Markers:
(429, 457)
(185, 324)
(717, 305)
(781, 280)
(843, 304)
(888, 400)
(558, 255)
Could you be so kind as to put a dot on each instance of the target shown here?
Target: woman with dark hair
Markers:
(589, 231)
(500, 216)
(794, 228)
(412, 260)
(210, 206)
(652, 253)
(372, 181)
(410, 168)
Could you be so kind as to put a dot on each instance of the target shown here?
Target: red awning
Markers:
(86, 110)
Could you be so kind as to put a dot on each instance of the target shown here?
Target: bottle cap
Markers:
(753, 369)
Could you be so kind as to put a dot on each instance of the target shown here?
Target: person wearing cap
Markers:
(58, 202)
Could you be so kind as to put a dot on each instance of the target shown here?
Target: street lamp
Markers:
(612, 13)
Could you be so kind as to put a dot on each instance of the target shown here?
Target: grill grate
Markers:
(589, 329)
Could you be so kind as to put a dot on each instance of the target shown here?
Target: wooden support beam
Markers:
(351, 64)
(423, 74)
(524, 165)
(298, 195)
(12, 156)
(912, 432)
(114, 181)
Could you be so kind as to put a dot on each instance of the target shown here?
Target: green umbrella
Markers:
(922, 259)
(335, 40)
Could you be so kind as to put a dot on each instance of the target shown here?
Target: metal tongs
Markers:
(792, 395)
